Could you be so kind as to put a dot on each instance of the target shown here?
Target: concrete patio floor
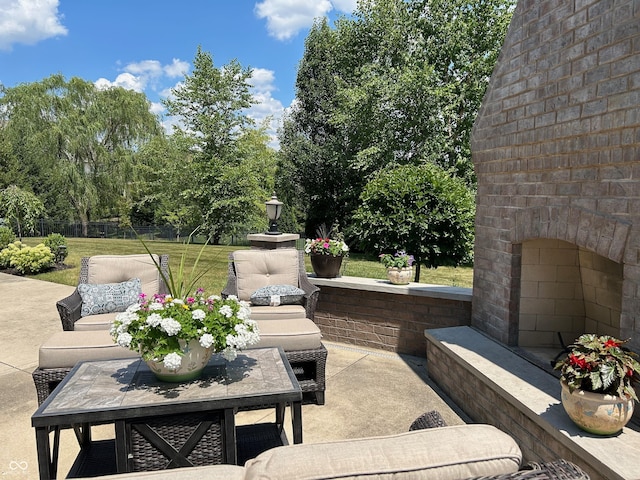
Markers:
(369, 392)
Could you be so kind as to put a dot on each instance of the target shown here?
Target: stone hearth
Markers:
(556, 147)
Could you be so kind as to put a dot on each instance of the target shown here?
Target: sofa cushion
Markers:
(119, 268)
(65, 349)
(108, 297)
(283, 312)
(211, 472)
(294, 334)
(102, 321)
(447, 453)
(276, 295)
(258, 268)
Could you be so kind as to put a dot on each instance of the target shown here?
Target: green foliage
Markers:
(6, 236)
(600, 364)
(25, 259)
(398, 260)
(21, 208)
(423, 210)
(54, 241)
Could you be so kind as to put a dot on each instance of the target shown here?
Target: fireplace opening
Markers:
(566, 291)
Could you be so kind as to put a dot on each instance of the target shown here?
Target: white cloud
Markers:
(285, 18)
(28, 22)
(124, 80)
(266, 107)
(177, 68)
(345, 6)
(145, 68)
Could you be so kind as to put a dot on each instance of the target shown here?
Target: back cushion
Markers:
(120, 268)
(259, 268)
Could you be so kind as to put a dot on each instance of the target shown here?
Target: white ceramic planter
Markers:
(400, 276)
(194, 359)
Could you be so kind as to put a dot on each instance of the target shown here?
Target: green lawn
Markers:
(214, 258)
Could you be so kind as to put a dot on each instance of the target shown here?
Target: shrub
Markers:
(26, 260)
(6, 236)
(54, 241)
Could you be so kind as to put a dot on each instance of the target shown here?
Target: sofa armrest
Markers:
(558, 469)
(69, 309)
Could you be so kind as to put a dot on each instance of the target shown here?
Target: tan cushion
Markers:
(282, 312)
(292, 334)
(212, 472)
(447, 453)
(65, 349)
(101, 321)
(120, 268)
(258, 268)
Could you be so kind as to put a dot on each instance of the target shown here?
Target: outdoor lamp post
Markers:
(274, 209)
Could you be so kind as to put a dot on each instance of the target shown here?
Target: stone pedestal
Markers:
(271, 242)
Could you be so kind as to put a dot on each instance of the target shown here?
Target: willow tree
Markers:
(80, 141)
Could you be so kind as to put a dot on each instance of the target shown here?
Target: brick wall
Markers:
(556, 147)
(387, 321)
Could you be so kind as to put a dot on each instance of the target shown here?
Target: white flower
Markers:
(307, 248)
(232, 297)
(154, 319)
(198, 314)
(156, 306)
(171, 326)
(172, 361)
(345, 248)
(229, 354)
(206, 340)
(213, 298)
(177, 301)
(134, 307)
(226, 310)
(124, 340)
(245, 311)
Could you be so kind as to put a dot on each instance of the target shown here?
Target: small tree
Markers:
(21, 208)
(420, 209)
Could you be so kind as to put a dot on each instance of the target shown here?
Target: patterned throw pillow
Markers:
(108, 297)
(275, 295)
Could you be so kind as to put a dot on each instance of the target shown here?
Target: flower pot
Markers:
(326, 266)
(400, 275)
(597, 413)
(195, 357)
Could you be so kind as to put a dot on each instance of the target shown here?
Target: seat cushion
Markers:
(65, 349)
(293, 334)
(108, 297)
(259, 268)
(447, 453)
(119, 268)
(283, 312)
(102, 321)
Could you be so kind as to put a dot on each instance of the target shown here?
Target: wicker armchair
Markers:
(70, 307)
(308, 364)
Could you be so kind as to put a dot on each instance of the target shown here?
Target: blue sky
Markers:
(148, 45)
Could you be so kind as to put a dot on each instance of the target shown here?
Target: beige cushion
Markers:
(120, 268)
(258, 268)
(65, 349)
(101, 321)
(293, 334)
(447, 453)
(282, 312)
(212, 472)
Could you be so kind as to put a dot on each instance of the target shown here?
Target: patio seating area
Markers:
(393, 390)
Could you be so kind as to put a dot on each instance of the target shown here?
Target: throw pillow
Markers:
(275, 295)
(108, 297)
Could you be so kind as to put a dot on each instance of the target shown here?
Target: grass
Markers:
(214, 259)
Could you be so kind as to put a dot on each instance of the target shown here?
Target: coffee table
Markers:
(160, 425)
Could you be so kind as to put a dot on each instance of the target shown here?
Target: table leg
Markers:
(230, 441)
(296, 420)
(47, 464)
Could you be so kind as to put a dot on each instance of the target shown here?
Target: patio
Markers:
(372, 409)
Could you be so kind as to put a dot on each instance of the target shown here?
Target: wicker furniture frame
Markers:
(156, 429)
(69, 307)
(308, 365)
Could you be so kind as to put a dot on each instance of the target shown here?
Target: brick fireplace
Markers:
(556, 147)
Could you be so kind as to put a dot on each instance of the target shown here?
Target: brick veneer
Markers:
(556, 147)
(392, 321)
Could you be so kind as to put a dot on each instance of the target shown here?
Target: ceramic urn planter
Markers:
(400, 275)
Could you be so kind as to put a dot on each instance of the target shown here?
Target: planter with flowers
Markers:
(326, 255)
(597, 378)
(176, 334)
(399, 267)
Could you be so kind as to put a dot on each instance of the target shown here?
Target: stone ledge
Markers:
(383, 286)
(536, 394)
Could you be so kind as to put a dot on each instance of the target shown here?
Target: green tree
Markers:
(77, 142)
(227, 161)
(422, 210)
(20, 208)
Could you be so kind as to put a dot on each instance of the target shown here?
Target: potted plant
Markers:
(176, 333)
(326, 253)
(399, 267)
(597, 379)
